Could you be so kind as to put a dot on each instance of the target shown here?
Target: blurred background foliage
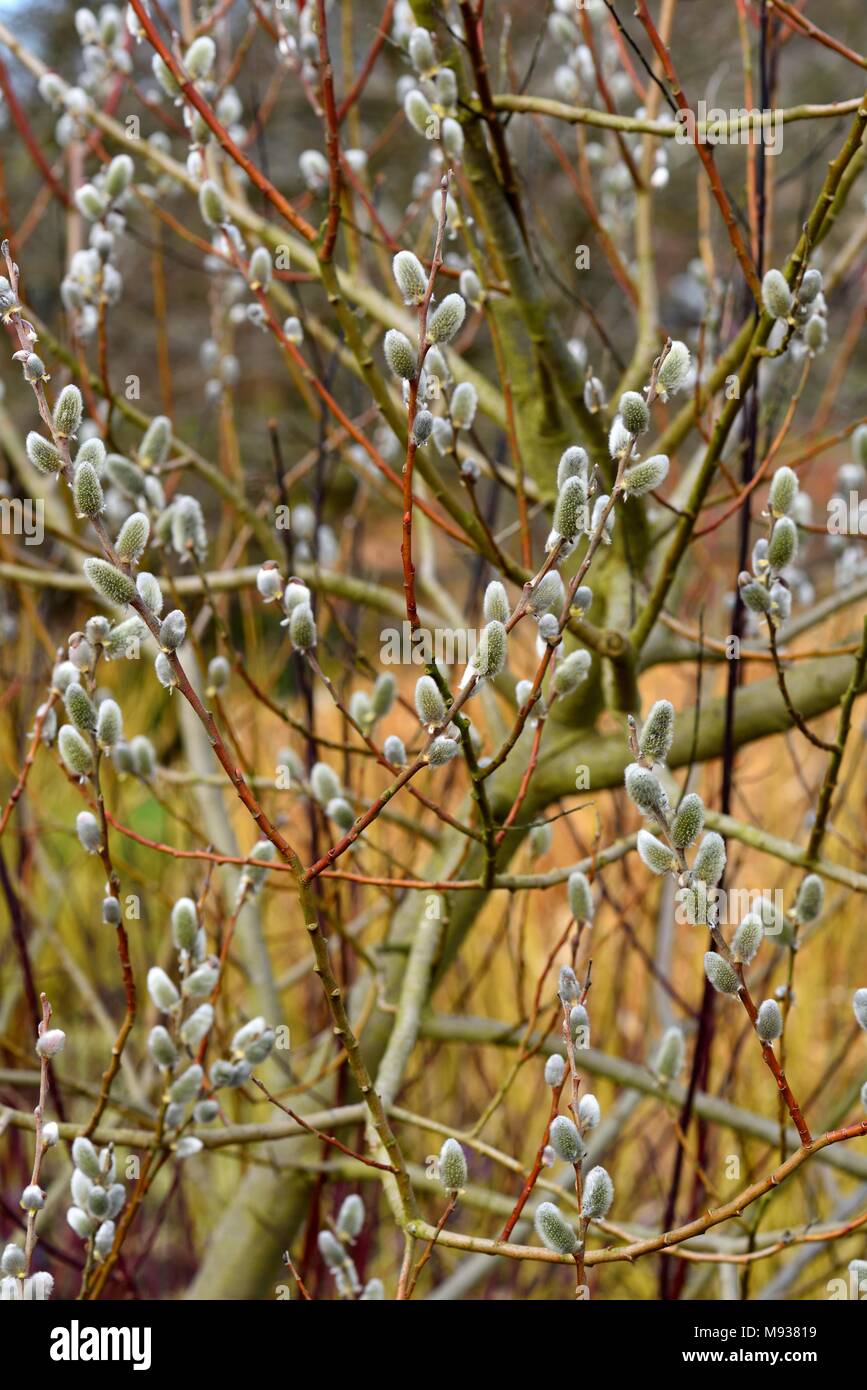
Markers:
(645, 973)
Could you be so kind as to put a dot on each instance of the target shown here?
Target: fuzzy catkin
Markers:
(399, 354)
(810, 899)
(496, 603)
(490, 655)
(721, 975)
(42, 453)
(657, 732)
(656, 855)
(452, 1166)
(598, 1194)
(673, 374)
(580, 896)
(109, 724)
(769, 1021)
(668, 1062)
(688, 821)
(446, 319)
(555, 1069)
(429, 703)
(565, 1139)
(110, 582)
(570, 508)
(574, 463)
(302, 628)
(554, 1230)
(67, 413)
(710, 860)
(409, 276)
(747, 939)
(776, 295)
(87, 491)
(463, 405)
(133, 537)
(646, 790)
(634, 412)
(783, 545)
(74, 751)
(783, 491)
